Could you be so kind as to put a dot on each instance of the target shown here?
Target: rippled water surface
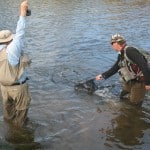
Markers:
(69, 42)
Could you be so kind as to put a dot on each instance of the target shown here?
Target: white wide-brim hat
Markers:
(5, 36)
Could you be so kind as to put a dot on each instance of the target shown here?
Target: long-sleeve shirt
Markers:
(134, 55)
(14, 49)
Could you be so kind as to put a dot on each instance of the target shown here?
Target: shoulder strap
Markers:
(125, 55)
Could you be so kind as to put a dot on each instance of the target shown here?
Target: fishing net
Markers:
(88, 86)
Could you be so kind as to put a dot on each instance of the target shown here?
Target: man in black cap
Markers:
(133, 69)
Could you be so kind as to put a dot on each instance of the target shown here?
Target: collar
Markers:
(122, 50)
(123, 47)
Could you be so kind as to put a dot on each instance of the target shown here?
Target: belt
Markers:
(139, 79)
(142, 79)
(20, 83)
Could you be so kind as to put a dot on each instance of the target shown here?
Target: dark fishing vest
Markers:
(10, 74)
(128, 69)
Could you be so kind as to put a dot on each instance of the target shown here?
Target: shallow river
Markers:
(69, 41)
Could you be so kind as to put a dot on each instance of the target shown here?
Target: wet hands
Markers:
(99, 77)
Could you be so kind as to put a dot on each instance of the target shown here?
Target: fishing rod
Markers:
(28, 12)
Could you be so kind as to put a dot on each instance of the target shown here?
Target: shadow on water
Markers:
(18, 138)
(129, 129)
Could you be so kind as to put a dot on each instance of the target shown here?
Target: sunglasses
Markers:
(112, 43)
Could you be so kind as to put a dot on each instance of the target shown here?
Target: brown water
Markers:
(69, 42)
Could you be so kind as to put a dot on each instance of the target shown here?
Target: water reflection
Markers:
(20, 137)
(128, 128)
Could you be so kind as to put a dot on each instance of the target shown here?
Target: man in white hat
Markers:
(13, 62)
(133, 69)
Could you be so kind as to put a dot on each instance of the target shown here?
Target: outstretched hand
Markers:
(23, 8)
(99, 77)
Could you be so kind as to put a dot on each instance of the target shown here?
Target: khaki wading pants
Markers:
(136, 90)
(16, 100)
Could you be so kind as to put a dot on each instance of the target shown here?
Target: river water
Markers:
(69, 41)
